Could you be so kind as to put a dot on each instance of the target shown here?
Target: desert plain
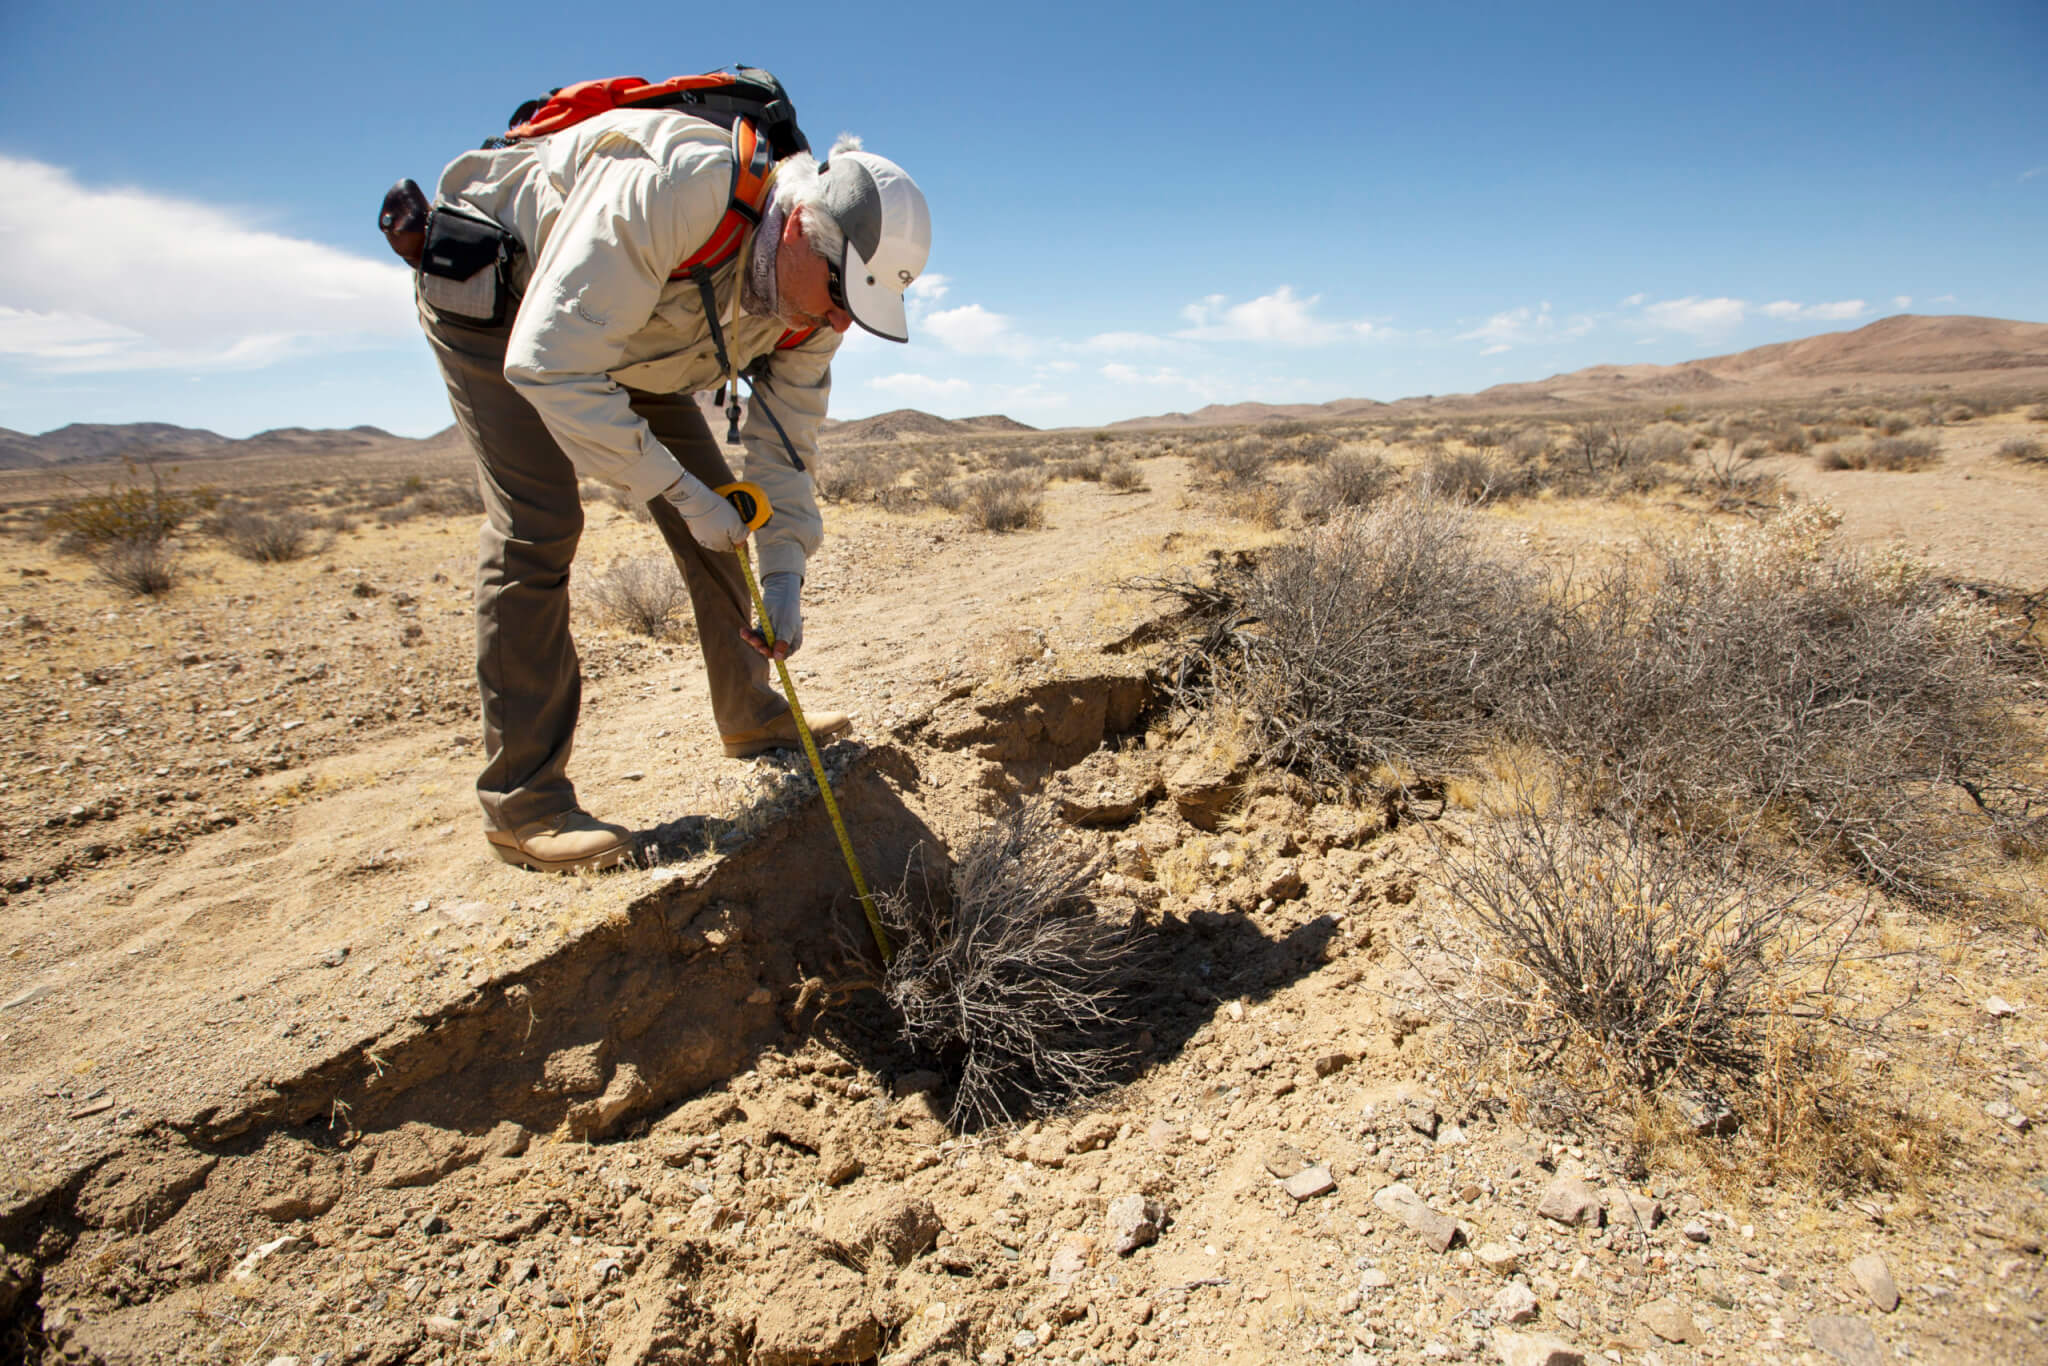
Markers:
(292, 1072)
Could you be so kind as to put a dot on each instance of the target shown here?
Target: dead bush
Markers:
(139, 568)
(2038, 413)
(1015, 980)
(1120, 475)
(1386, 635)
(1893, 424)
(2024, 448)
(1239, 460)
(645, 595)
(855, 475)
(1760, 680)
(1347, 480)
(1466, 477)
(132, 512)
(1014, 501)
(1882, 453)
(1618, 954)
(265, 538)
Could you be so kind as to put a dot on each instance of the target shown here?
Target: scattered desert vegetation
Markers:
(644, 594)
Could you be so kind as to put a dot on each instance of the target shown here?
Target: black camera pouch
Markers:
(466, 267)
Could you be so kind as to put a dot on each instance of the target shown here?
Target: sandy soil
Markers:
(289, 1070)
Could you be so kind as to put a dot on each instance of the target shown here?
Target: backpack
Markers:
(746, 99)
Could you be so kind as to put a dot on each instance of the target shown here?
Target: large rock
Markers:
(1571, 1201)
(1133, 1222)
(1875, 1279)
(1205, 786)
(1847, 1340)
(1668, 1321)
(896, 1225)
(1535, 1349)
(1437, 1229)
(1106, 788)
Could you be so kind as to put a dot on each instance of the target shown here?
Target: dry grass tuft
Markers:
(1011, 501)
(645, 596)
(1016, 982)
(263, 537)
(2027, 449)
(143, 569)
(1882, 453)
(1344, 480)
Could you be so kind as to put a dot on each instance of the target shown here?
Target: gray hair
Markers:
(797, 185)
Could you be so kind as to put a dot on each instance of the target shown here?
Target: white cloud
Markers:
(1943, 299)
(974, 331)
(1635, 301)
(1123, 343)
(1700, 317)
(924, 291)
(1280, 317)
(2032, 171)
(1902, 301)
(1842, 309)
(123, 279)
(1524, 326)
(919, 386)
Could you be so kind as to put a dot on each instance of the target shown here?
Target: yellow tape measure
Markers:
(749, 501)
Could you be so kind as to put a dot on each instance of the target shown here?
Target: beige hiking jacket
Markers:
(607, 209)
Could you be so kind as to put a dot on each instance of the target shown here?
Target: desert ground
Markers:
(292, 1072)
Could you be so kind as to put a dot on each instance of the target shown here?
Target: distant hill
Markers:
(1893, 352)
(89, 443)
(909, 422)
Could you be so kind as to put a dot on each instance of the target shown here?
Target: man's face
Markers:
(803, 281)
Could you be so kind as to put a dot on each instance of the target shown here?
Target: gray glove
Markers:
(781, 592)
(711, 519)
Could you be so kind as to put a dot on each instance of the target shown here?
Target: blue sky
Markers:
(1136, 208)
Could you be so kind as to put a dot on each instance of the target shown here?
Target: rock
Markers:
(1998, 1007)
(1422, 1118)
(1571, 1202)
(1205, 788)
(1535, 1349)
(625, 1095)
(836, 1167)
(1668, 1321)
(1627, 1208)
(28, 997)
(1372, 1278)
(334, 957)
(1093, 1132)
(1281, 880)
(1284, 1160)
(262, 1253)
(1329, 1063)
(1161, 1136)
(1047, 1148)
(1705, 1113)
(1437, 1229)
(1070, 1261)
(1499, 1260)
(1513, 1303)
(508, 1138)
(1106, 788)
(1847, 1340)
(897, 1224)
(1309, 1182)
(1711, 1285)
(1875, 1278)
(1133, 1222)
(441, 1328)
(1696, 1232)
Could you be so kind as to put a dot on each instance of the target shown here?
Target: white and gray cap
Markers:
(888, 232)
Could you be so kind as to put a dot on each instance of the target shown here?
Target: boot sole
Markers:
(747, 749)
(590, 863)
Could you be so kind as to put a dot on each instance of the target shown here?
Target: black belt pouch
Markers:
(466, 267)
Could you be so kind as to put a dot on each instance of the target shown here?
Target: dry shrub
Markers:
(140, 568)
(1618, 955)
(1529, 446)
(1119, 475)
(128, 513)
(1882, 453)
(1893, 424)
(1016, 982)
(1346, 480)
(1760, 678)
(1238, 460)
(1386, 635)
(1014, 501)
(855, 475)
(1465, 477)
(265, 538)
(1262, 504)
(645, 596)
(2024, 448)
(2038, 413)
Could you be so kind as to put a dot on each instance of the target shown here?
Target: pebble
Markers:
(1570, 1201)
(1535, 1349)
(1499, 1260)
(1439, 1230)
(1133, 1222)
(1696, 1232)
(1372, 1278)
(1513, 1303)
(1668, 1321)
(1876, 1281)
(1847, 1340)
(1998, 1007)
(1310, 1182)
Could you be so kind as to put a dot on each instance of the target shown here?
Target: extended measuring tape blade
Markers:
(749, 501)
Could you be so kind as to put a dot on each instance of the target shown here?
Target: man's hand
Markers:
(781, 593)
(710, 518)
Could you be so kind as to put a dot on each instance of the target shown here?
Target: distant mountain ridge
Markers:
(91, 443)
(1893, 351)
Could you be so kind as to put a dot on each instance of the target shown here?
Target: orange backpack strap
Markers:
(752, 160)
(572, 104)
(795, 337)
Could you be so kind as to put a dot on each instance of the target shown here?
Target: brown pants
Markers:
(526, 669)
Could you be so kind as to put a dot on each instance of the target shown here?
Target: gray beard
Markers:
(757, 281)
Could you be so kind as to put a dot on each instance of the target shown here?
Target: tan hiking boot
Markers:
(574, 841)
(781, 733)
